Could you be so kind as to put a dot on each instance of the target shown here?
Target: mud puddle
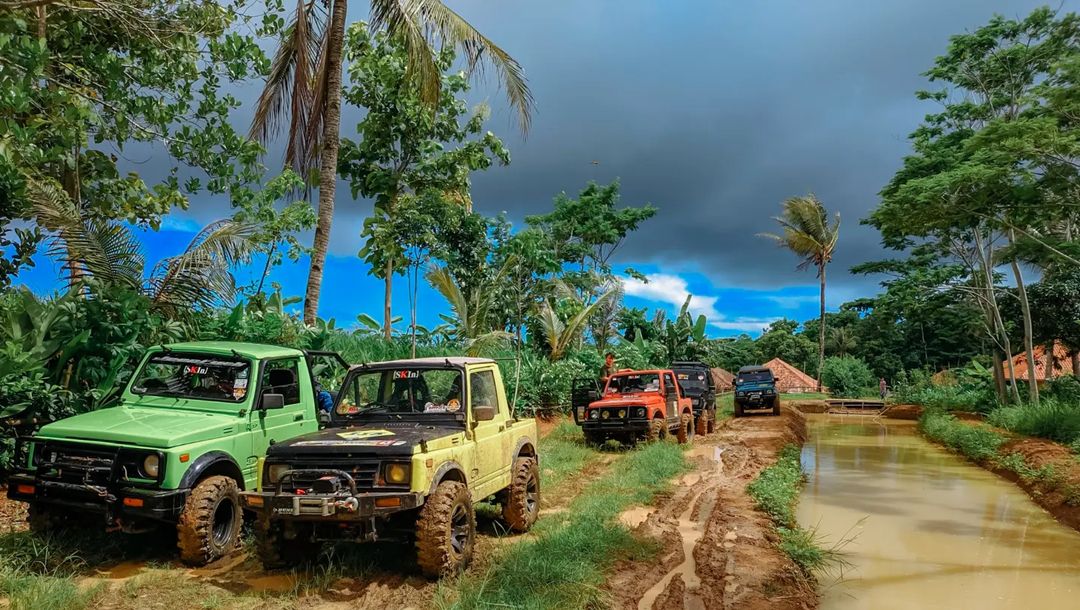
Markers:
(718, 551)
(926, 528)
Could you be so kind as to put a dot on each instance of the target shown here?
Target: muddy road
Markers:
(718, 551)
(928, 529)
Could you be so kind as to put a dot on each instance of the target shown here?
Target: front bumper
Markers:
(329, 507)
(114, 501)
(756, 398)
(615, 426)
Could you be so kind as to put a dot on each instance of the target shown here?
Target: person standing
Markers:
(609, 366)
(883, 387)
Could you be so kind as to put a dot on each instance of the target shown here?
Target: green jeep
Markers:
(185, 439)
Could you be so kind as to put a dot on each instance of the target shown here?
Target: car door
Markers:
(488, 435)
(288, 377)
(671, 398)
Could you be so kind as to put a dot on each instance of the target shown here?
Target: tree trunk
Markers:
(1029, 342)
(821, 330)
(1076, 364)
(999, 375)
(993, 312)
(328, 159)
(266, 267)
(387, 314)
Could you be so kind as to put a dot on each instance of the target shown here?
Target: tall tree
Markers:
(303, 90)
(808, 233)
(404, 146)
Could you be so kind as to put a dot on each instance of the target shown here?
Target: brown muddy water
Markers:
(926, 529)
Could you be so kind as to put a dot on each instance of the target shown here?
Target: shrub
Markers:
(977, 442)
(846, 376)
(1053, 420)
(1064, 389)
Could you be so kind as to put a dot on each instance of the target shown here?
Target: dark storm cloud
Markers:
(716, 112)
(713, 111)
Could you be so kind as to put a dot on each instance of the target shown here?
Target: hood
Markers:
(377, 438)
(627, 400)
(144, 426)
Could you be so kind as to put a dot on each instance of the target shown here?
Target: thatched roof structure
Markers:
(789, 378)
(723, 379)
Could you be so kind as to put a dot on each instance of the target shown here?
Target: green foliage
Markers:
(972, 390)
(776, 490)
(781, 341)
(565, 564)
(1057, 421)
(546, 385)
(847, 377)
(977, 442)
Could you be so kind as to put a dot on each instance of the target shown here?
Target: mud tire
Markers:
(523, 496)
(712, 422)
(776, 406)
(594, 439)
(685, 433)
(209, 526)
(45, 520)
(276, 550)
(738, 409)
(657, 430)
(448, 508)
(701, 424)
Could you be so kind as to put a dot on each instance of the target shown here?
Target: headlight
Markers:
(274, 472)
(638, 412)
(739, 393)
(595, 413)
(605, 414)
(151, 466)
(396, 474)
(622, 413)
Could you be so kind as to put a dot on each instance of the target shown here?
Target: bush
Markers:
(1064, 389)
(974, 441)
(846, 376)
(1053, 420)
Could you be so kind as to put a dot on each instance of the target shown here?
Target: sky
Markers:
(712, 111)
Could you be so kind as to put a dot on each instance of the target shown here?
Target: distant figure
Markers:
(883, 387)
(609, 366)
(325, 400)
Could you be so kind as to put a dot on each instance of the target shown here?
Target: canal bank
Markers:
(924, 527)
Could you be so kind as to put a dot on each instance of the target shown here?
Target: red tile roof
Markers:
(1061, 363)
(789, 378)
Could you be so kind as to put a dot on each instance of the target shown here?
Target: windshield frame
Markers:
(461, 417)
(771, 378)
(690, 382)
(659, 379)
(150, 398)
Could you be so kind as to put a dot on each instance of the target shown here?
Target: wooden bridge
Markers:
(857, 406)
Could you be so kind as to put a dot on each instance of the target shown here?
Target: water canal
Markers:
(927, 529)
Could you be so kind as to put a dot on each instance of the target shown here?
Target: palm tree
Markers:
(560, 335)
(807, 233)
(304, 89)
(843, 342)
(471, 320)
(107, 251)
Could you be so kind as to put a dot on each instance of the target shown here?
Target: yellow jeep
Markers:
(410, 446)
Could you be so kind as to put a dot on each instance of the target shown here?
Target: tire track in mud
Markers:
(718, 551)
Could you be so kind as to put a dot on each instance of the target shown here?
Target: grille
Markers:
(363, 473)
(78, 464)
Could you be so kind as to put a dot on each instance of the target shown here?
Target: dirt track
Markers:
(719, 552)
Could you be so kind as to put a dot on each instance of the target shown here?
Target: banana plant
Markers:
(370, 327)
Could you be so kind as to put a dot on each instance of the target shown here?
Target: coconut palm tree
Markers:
(107, 251)
(808, 233)
(303, 90)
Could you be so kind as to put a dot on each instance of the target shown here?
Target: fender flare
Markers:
(209, 460)
(521, 444)
(443, 470)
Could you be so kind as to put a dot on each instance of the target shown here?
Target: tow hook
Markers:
(350, 505)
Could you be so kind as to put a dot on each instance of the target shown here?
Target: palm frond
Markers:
(202, 275)
(442, 280)
(414, 20)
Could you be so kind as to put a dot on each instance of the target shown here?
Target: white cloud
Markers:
(673, 290)
(794, 301)
(176, 222)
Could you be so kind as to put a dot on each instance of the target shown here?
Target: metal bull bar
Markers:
(326, 482)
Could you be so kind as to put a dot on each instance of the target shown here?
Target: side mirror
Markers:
(272, 401)
(483, 413)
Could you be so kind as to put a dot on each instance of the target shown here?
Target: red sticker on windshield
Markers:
(195, 369)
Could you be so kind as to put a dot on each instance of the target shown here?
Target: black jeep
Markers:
(755, 388)
(697, 383)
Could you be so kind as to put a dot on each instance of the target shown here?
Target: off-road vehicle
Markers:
(184, 440)
(755, 388)
(638, 405)
(696, 381)
(412, 444)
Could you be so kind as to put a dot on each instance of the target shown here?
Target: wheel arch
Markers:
(525, 448)
(448, 471)
(212, 463)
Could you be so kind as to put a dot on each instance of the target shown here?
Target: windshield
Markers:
(401, 391)
(199, 377)
(637, 382)
(754, 376)
(692, 379)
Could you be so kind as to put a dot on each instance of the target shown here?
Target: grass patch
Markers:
(563, 453)
(563, 567)
(1052, 420)
(977, 442)
(776, 492)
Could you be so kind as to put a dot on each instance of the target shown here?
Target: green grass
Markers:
(564, 566)
(776, 492)
(976, 442)
(28, 591)
(1053, 420)
(563, 453)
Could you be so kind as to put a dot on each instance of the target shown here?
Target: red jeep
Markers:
(637, 405)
